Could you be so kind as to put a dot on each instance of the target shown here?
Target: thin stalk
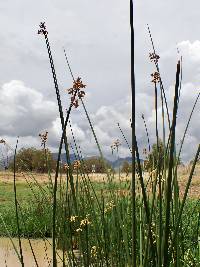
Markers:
(31, 247)
(124, 137)
(169, 179)
(147, 133)
(187, 126)
(145, 200)
(10, 237)
(64, 125)
(16, 208)
(133, 193)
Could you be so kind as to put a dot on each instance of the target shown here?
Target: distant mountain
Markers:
(63, 157)
(115, 164)
(119, 162)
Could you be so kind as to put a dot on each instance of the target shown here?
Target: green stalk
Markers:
(145, 200)
(133, 193)
(16, 208)
(64, 125)
(170, 169)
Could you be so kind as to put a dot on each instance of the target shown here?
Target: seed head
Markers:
(43, 137)
(115, 145)
(2, 141)
(79, 230)
(42, 29)
(156, 77)
(76, 91)
(73, 218)
(93, 251)
(85, 222)
(154, 57)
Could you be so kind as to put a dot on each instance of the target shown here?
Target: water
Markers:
(42, 250)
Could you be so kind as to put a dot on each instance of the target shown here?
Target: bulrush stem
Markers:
(146, 206)
(147, 133)
(64, 125)
(16, 208)
(133, 194)
(170, 172)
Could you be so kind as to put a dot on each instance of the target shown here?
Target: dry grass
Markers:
(183, 172)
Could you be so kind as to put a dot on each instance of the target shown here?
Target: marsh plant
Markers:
(139, 222)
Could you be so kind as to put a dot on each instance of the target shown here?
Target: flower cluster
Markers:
(93, 251)
(156, 77)
(73, 218)
(76, 91)
(115, 145)
(154, 57)
(43, 138)
(85, 222)
(109, 206)
(42, 29)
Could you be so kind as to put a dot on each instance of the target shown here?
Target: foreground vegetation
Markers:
(113, 206)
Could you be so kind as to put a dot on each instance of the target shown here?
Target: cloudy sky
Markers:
(96, 37)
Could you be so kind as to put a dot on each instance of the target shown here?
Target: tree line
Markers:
(42, 161)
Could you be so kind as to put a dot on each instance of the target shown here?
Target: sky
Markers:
(96, 36)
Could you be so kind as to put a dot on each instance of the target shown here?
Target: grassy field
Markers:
(37, 203)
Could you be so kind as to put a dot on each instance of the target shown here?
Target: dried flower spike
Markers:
(42, 29)
(156, 77)
(115, 144)
(43, 138)
(154, 57)
(76, 91)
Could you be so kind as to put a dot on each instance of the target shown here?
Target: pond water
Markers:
(42, 250)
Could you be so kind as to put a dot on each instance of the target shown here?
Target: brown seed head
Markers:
(76, 91)
(42, 29)
(156, 77)
(154, 57)
(43, 137)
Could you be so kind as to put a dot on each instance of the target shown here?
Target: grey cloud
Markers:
(24, 111)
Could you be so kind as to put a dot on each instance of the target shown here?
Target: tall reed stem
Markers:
(170, 172)
(16, 208)
(133, 194)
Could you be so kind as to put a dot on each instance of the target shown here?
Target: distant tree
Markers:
(156, 157)
(32, 159)
(96, 163)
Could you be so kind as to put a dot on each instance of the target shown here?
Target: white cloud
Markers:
(24, 111)
(190, 50)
